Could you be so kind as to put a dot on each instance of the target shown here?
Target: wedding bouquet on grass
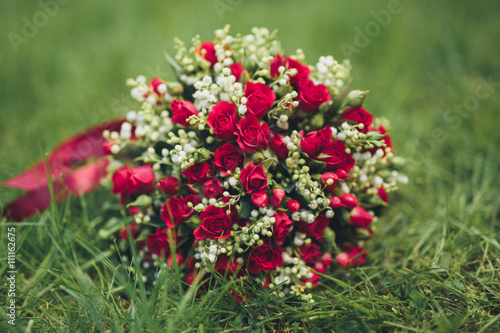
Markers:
(252, 165)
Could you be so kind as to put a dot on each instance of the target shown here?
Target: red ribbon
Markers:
(68, 179)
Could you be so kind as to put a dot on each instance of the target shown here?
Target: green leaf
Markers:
(175, 65)
(316, 166)
(184, 230)
(245, 207)
(375, 136)
(156, 221)
(266, 164)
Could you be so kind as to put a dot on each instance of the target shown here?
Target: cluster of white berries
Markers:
(261, 45)
(208, 251)
(206, 93)
(332, 74)
(144, 93)
(291, 274)
(262, 226)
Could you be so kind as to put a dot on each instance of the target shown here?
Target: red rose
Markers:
(234, 213)
(207, 51)
(198, 172)
(252, 136)
(360, 218)
(278, 196)
(193, 198)
(335, 157)
(154, 83)
(315, 229)
(175, 211)
(179, 258)
(281, 227)
(222, 119)
(133, 231)
(228, 157)
(278, 146)
(134, 210)
(351, 256)
(386, 139)
(260, 99)
(313, 280)
(212, 188)
(310, 253)
(215, 224)
(128, 181)
(169, 185)
(260, 199)
(315, 141)
(358, 115)
(158, 243)
(237, 69)
(223, 264)
(383, 195)
(254, 179)
(311, 96)
(303, 71)
(181, 111)
(265, 258)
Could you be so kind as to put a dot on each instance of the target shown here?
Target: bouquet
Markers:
(252, 165)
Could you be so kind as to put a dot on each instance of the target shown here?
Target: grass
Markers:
(434, 264)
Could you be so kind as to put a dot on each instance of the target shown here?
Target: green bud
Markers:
(318, 121)
(258, 157)
(142, 201)
(355, 98)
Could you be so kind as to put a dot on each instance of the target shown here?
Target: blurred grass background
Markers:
(71, 74)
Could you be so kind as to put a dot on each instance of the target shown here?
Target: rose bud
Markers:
(169, 185)
(355, 98)
(383, 195)
(320, 267)
(124, 233)
(326, 259)
(237, 69)
(349, 201)
(191, 276)
(190, 262)
(342, 174)
(207, 51)
(133, 210)
(128, 181)
(278, 195)
(260, 200)
(330, 180)
(293, 205)
(360, 218)
(155, 83)
(351, 256)
(335, 202)
(275, 202)
(358, 115)
(179, 259)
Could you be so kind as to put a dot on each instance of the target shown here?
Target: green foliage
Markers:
(434, 263)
